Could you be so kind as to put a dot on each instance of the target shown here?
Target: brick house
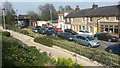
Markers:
(95, 19)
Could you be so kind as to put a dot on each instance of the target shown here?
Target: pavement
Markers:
(54, 51)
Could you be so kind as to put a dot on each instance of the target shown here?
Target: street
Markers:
(104, 44)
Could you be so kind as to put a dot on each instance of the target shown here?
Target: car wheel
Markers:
(109, 40)
(89, 45)
(110, 51)
(75, 41)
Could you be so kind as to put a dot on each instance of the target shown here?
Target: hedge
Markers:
(28, 32)
(6, 33)
(45, 41)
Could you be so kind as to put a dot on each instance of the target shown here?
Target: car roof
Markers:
(84, 35)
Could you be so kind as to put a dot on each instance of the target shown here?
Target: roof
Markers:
(94, 12)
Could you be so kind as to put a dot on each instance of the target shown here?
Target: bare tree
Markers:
(32, 15)
(46, 11)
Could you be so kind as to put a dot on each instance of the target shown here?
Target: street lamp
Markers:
(4, 18)
(17, 17)
(51, 12)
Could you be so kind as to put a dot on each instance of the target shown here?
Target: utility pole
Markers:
(17, 17)
(51, 12)
(4, 18)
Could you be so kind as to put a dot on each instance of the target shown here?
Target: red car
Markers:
(58, 30)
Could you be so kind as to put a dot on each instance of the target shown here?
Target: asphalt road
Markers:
(104, 45)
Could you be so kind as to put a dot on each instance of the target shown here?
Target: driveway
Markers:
(54, 51)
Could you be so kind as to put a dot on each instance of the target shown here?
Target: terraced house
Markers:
(95, 19)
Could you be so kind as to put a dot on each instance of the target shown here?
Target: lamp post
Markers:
(4, 18)
(51, 12)
(17, 17)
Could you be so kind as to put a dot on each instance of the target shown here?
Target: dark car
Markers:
(66, 35)
(49, 28)
(114, 48)
(71, 31)
(51, 32)
(42, 30)
(106, 37)
(35, 30)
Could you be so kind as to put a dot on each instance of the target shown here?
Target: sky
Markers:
(23, 6)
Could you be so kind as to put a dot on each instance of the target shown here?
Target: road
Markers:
(55, 51)
(104, 45)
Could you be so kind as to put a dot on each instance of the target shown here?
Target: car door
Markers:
(117, 50)
(84, 41)
(78, 39)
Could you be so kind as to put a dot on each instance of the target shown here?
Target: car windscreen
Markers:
(90, 38)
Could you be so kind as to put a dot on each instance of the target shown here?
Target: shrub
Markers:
(44, 41)
(6, 33)
(28, 32)
(14, 55)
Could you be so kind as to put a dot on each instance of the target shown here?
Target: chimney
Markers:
(77, 8)
(94, 6)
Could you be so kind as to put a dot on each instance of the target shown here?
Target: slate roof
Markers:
(113, 10)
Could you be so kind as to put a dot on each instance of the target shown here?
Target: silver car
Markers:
(87, 40)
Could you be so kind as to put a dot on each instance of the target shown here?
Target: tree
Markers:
(32, 15)
(67, 8)
(9, 13)
(46, 11)
(61, 8)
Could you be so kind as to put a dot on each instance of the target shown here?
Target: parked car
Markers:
(51, 32)
(84, 32)
(114, 48)
(106, 37)
(49, 28)
(66, 35)
(87, 40)
(35, 30)
(58, 30)
(71, 31)
(42, 30)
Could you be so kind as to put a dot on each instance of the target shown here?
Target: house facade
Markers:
(61, 21)
(95, 19)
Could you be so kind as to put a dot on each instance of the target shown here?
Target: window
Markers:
(90, 18)
(83, 27)
(117, 18)
(107, 18)
(116, 26)
(111, 26)
(106, 26)
(79, 27)
(102, 26)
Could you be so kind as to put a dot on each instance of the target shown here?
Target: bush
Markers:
(28, 32)
(44, 41)
(6, 33)
(13, 54)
